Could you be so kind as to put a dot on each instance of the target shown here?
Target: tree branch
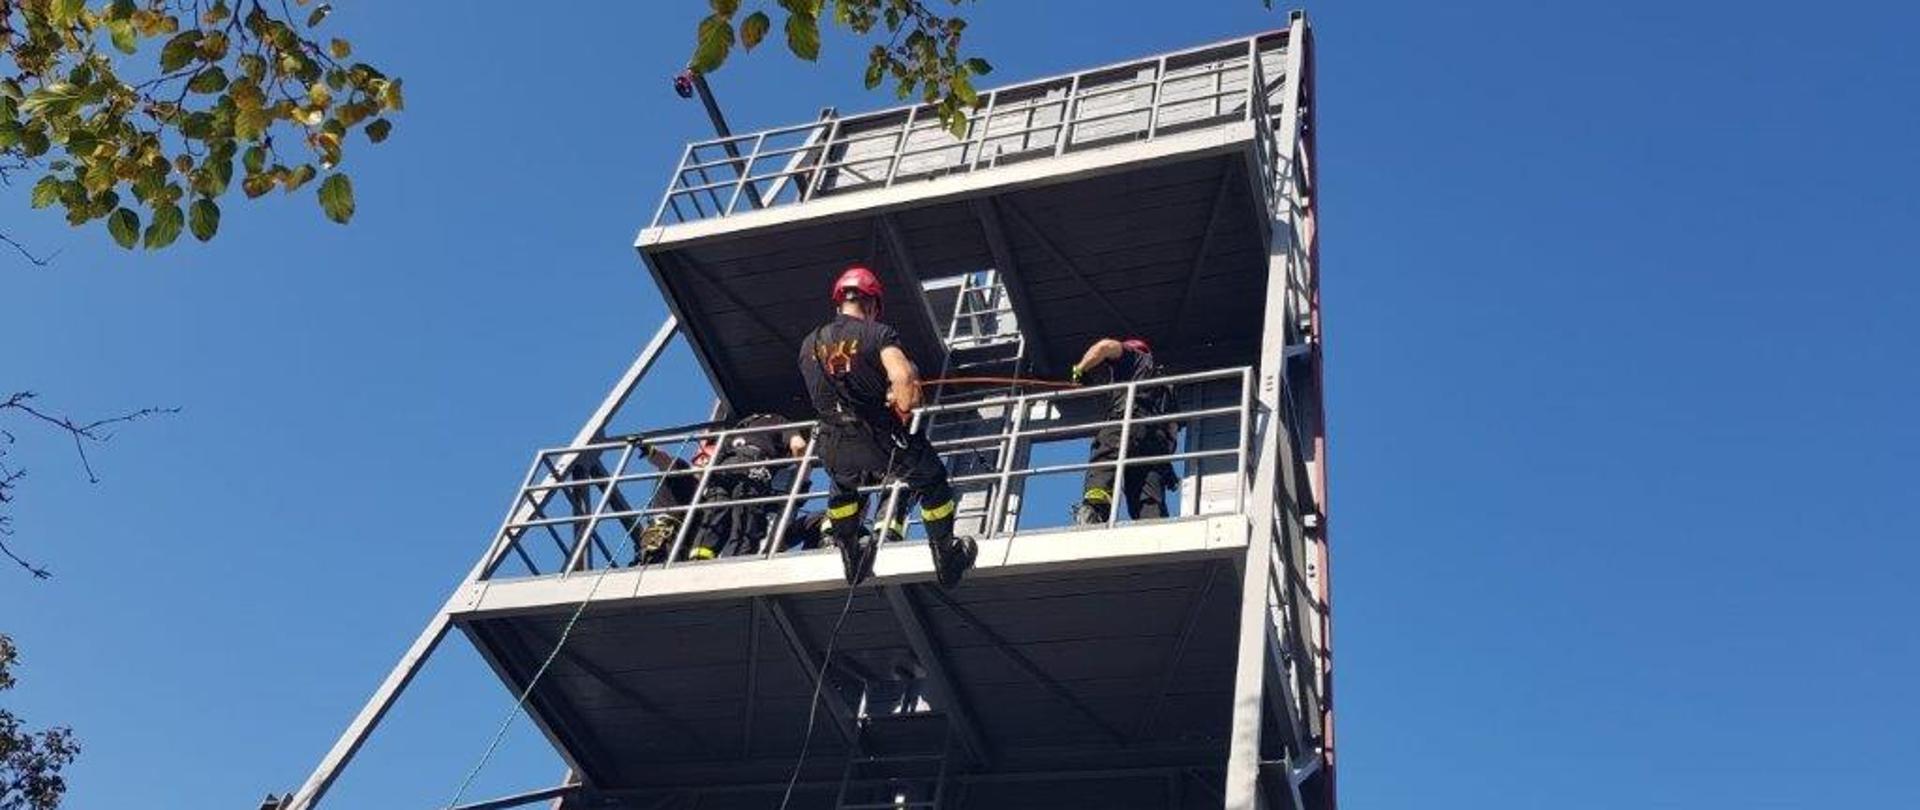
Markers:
(31, 257)
(82, 433)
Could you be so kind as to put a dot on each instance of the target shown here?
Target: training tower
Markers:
(1181, 662)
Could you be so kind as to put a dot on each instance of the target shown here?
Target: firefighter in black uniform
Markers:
(725, 531)
(1145, 486)
(863, 385)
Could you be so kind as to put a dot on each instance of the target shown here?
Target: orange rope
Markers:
(939, 381)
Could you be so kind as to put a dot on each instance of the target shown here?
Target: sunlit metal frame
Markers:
(1278, 540)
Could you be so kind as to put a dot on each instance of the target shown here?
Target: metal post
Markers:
(800, 473)
(1249, 692)
(899, 148)
(986, 124)
(826, 159)
(746, 171)
(580, 556)
(699, 492)
(1159, 98)
(1120, 464)
(1067, 106)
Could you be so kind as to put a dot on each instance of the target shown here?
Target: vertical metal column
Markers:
(1249, 698)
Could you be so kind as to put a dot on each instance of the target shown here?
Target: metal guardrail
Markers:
(592, 500)
(1132, 101)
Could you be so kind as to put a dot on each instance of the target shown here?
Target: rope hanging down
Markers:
(566, 631)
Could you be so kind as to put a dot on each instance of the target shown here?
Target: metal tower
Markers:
(1180, 662)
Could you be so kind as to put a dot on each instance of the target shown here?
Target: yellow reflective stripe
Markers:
(844, 511)
(703, 554)
(937, 512)
(1098, 496)
(899, 526)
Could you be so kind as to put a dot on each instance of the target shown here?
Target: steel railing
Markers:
(573, 495)
(1132, 101)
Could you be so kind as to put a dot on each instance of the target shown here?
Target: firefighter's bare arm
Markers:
(903, 380)
(1101, 351)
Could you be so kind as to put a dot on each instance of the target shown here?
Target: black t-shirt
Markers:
(841, 364)
(1133, 365)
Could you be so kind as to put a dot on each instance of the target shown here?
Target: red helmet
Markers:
(1138, 345)
(857, 280)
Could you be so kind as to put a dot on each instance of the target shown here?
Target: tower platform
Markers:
(1172, 662)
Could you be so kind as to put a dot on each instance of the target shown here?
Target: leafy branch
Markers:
(229, 88)
(83, 435)
(30, 762)
(922, 52)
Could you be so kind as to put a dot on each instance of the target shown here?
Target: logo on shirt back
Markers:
(836, 358)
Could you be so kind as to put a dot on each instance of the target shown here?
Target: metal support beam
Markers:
(642, 701)
(753, 676)
(896, 241)
(988, 214)
(1200, 254)
(1172, 670)
(390, 689)
(523, 799)
(811, 664)
(691, 269)
(1243, 791)
(932, 655)
(1068, 265)
(1026, 665)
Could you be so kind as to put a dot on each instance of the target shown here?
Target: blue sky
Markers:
(1621, 341)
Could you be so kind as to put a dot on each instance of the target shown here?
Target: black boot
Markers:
(952, 557)
(857, 555)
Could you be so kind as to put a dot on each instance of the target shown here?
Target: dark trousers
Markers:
(724, 531)
(857, 454)
(1144, 485)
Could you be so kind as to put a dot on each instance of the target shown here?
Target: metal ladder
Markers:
(983, 340)
(900, 762)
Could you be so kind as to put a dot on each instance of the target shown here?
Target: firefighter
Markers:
(730, 530)
(863, 385)
(1145, 486)
(674, 490)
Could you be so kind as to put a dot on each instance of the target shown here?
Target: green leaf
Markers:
(46, 191)
(10, 132)
(714, 40)
(803, 36)
(336, 198)
(64, 11)
(254, 159)
(179, 50)
(378, 130)
(298, 177)
(210, 80)
(876, 71)
(167, 222)
(979, 67)
(54, 99)
(340, 48)
(320, 12)
(124, 224)
(34, 143)
(121, 9)
(754, 29)
(203, 218)
(724, 8)
(125, 39)
(964, 90)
